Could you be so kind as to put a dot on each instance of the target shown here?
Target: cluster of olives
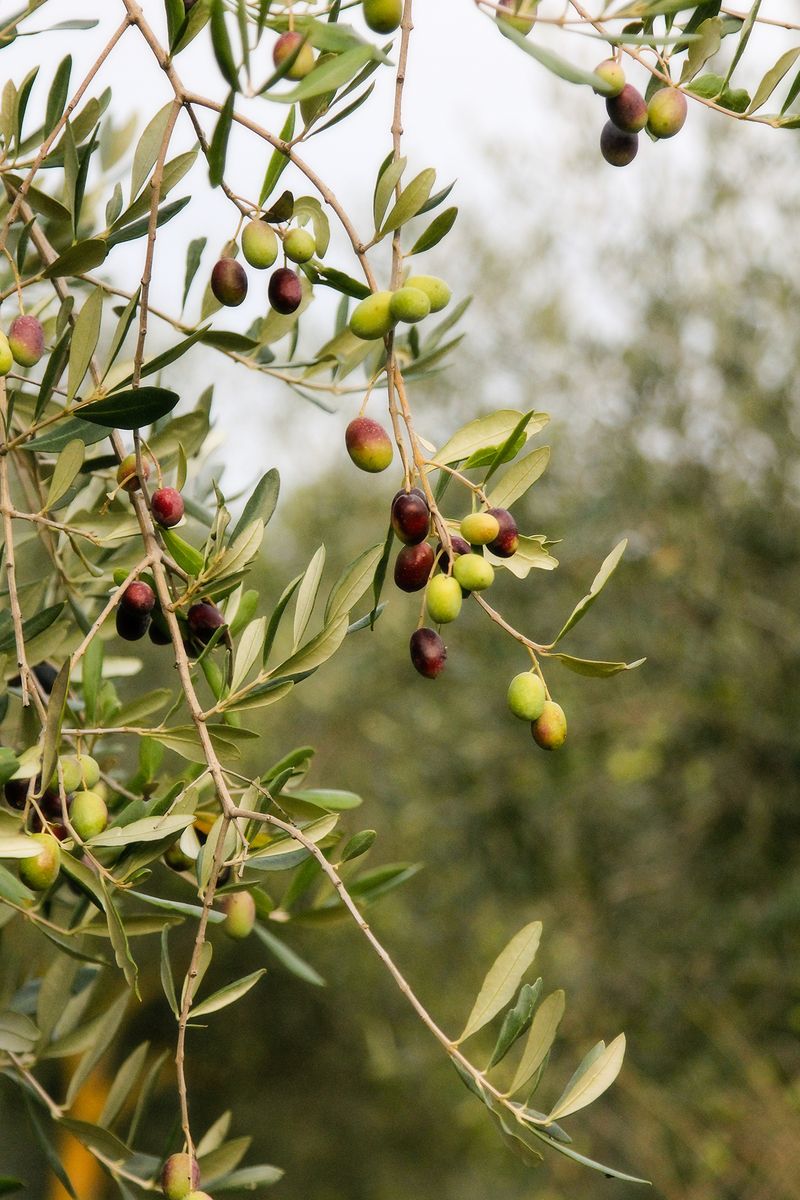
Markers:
(527, 698)
(23, 344)
(138, 611)
(88, 815)
(378, 314)
(260, 245)
(180, 1178)
(629, 113)
(465, 572)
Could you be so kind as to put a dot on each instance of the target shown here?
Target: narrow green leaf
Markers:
(519, 478)
(516, 1021)
(218, 150)
(104, 1034)
(504, 977)
(56, 707)
(307, 595)
(84, 341)
(773, 77)
(130, 409)
(261, 504)
(124, 1082)
(57, 96)
(554, 62)
(193, 256)
(598, 583)
(540, 1039)
(593, 668)
(119, 941)
(288, 958)
(227, 995)
(221, 43)
(439, 228)
(278, 162)
(389, 176)
(68, 464)
(328, 76)
(78, 259)
(353, 582)
(591, 1082)
(186, 556)
(147, 149)
(410, 200)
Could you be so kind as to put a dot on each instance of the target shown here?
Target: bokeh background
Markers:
(653, 313)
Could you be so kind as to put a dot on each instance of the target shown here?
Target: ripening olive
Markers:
(26, 340)
(666, 112)
(180, 1176)
(293, 44)
(550, 730)
(612, 74)
(628, 110)
(40, 871)
(368, 445)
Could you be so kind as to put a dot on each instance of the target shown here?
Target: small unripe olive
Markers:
(526, 696)
(443, 599)
(293, 43)
(240, 915)
(40, 871)
(229, 282)
(127, 477)
(6, 357)
(410, 304)
(479, 528)
(506, 544)
(616, 147)
(285, 292)
(473, 572)
(666, 112)
(518, 14)
(26, 340)
(435, 289)
(198, 1196)
(88, 814)
(259, 244)
(383, 16)
(299, 245)
(628, 110)
(180, 1177)
(167, 507)
(612, 74)
(372, 318)
(428, 652)
(79, 771)
(368, 445)
(550, 729)
(413, 566)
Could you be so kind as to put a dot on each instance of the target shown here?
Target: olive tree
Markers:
(127, 809)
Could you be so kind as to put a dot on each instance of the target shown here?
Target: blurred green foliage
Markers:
(659, 847)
